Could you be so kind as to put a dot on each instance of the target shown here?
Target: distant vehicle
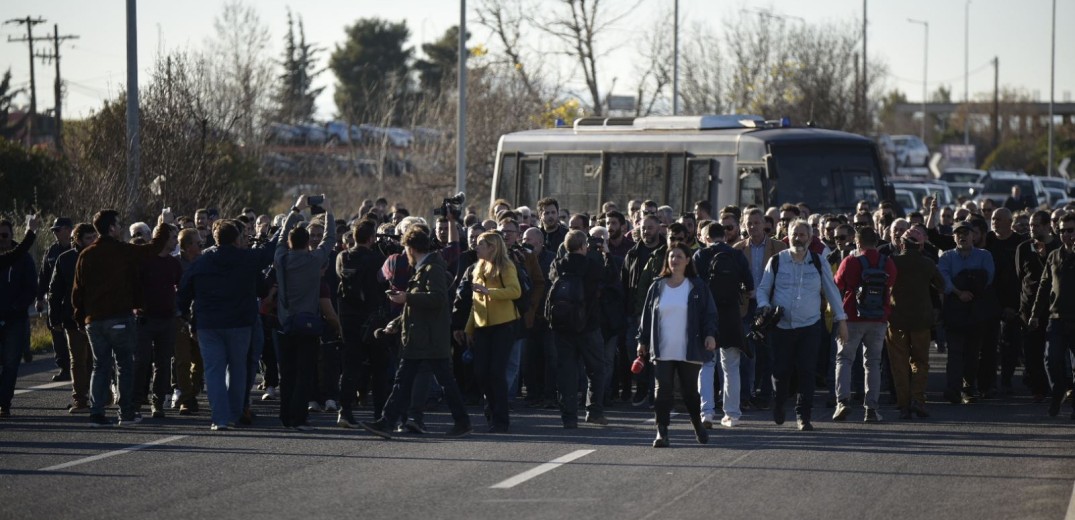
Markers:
(964, 182)
(312, 134)
(920, 190)
(340, 132)
(427, 136)
(1055, 183)
(395, 137)
(1063, 202)
(279, 133)
(910, 150)
(998, 187)
(1055, 195)
(907, 200)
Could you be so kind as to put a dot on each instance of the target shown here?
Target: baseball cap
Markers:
(964, 225)
(62, 222)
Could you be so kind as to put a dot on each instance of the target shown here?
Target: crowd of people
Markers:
(740, 310)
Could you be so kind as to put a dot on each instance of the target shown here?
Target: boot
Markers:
(700, 432)
(662, 436)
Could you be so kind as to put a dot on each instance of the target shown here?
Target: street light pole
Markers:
(966, 73)
(675, 61)
(1052, 91)
(925, 71)
(461, 116)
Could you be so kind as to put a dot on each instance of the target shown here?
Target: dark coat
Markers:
(701, 321)
(427, 313)
(912, 307)
(1056, 292)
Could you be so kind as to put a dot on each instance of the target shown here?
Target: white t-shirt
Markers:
(672, 309)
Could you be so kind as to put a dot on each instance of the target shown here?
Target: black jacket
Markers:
(1056, 292)
(1029, 265)
(633, 265)
(61, 313)
(593, 275)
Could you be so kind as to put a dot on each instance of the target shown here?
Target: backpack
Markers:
(565, 308)
(724, 279)
(526, 286)
(872, 290)
(350, 289)
(814, 259)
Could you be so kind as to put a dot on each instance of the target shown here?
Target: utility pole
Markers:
(865, 84)
(675, 61)
(1052, 91)
(58, 86)
(134, 147)
(29, 23)
(461, 116)
(996, 102)
(925, 71)
(966, 73)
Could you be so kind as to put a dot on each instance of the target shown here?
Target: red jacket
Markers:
(849, 277)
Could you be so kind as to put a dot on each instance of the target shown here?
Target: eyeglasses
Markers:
(676, 238)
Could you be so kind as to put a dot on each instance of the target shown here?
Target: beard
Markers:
(798, 246)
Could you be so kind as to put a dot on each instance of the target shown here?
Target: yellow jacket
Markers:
(498, 306)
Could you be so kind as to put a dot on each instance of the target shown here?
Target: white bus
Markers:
(678, 160)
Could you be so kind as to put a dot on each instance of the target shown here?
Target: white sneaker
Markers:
(707, 422)
(271, 394)
(313, 406)
(330, 406)
(176, 398)
(729, 422)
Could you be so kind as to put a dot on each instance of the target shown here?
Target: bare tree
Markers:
(702, 91)
(243, 73)
(507, 20)
(655, 67)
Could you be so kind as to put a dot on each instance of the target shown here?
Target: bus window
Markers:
(751, 189)
(573, 179)
(508, 177)
(699, 174)
(529, 183)
(675, 183)
(634, 176)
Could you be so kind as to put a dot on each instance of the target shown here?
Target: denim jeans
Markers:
(225, 352)
(729, 365)
(113, 341)
(1057, 358)
(514, 365)
(14, 341)
(153, 360)
(706, 387)
(588, 348)
(872, 335)
(794, 357)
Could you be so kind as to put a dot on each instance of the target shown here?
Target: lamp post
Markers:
(925, 71)
(966, 73)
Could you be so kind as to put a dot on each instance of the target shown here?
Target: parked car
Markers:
(279, 133)
(395, 137)
(964, 182)
(1055, 195)
(339, 132)
(998, 187)
(312, 134)
(907, 200)
(1055, 183)
(910, 150)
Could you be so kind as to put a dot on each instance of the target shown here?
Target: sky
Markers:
(1018, 33)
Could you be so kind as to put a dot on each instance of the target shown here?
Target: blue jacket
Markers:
(701, 321)
(222, 283)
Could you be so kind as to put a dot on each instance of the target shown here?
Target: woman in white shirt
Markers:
(678, 333)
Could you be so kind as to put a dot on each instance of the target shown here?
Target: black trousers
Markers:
(687, 373)
(492, 348)
(1034, 351)
(964, 355)
(298, 377)
(361, 360)
(404, 383)
(587, 348)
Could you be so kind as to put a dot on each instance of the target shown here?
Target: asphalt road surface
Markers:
(1001, 459)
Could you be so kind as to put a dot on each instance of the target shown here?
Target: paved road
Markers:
(999, 459)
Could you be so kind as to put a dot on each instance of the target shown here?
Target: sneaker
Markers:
(729, 422)
(415, 426)
(330, 406)
(639, 399)
(804, 425)
(346, 420)
(185, 409)
(78, 407)
(313, 406)
(459, 431)
(62, 375)
(271, 394)
(872, 416)
(1054, 404)
(967, 398)
(779, 414)
(177, 399)
(707, 422)
(131, 421)
(842, 410)
(218, 427)
(97, 421)
(599, 420)
(158, 412)
(378, 428)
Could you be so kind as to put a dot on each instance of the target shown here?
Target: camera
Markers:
(452, 206)
(596, 243)
(315, 200)
(764, 322)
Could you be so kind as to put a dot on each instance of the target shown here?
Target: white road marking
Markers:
(106, 455)
(46, 386)
(1071, 506)
(544, 468)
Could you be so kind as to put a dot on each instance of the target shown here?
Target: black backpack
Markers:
(522, 303)
(565, 308)
(350, 290)
(872, 290)
(724, 279)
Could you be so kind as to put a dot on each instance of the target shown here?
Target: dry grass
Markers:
(40, 337)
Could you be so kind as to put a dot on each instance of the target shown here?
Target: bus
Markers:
(678, 160)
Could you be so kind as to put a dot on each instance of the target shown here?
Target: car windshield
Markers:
(961, 177)
(827, 177)
(1003, 185)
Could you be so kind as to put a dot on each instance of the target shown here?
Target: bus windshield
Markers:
(828, 177)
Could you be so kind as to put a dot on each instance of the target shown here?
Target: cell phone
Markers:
(315, 200)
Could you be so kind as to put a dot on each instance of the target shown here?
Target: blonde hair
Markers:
(500, 260)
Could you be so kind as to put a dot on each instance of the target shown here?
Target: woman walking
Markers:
(491, 328)
(678, 332)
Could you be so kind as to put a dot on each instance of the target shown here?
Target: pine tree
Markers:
(295, 95)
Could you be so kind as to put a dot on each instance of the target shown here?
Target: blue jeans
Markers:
(225, 352)
(1061, 347)
(514, 365)
(14, 341)
(113, 340)
(729, 365)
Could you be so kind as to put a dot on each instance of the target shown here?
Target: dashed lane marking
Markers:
(106, 455)
(542, 469)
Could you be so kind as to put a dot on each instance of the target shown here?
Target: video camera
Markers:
(452, 206)
(764, 322)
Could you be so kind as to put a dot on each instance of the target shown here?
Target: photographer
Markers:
(795, 279)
